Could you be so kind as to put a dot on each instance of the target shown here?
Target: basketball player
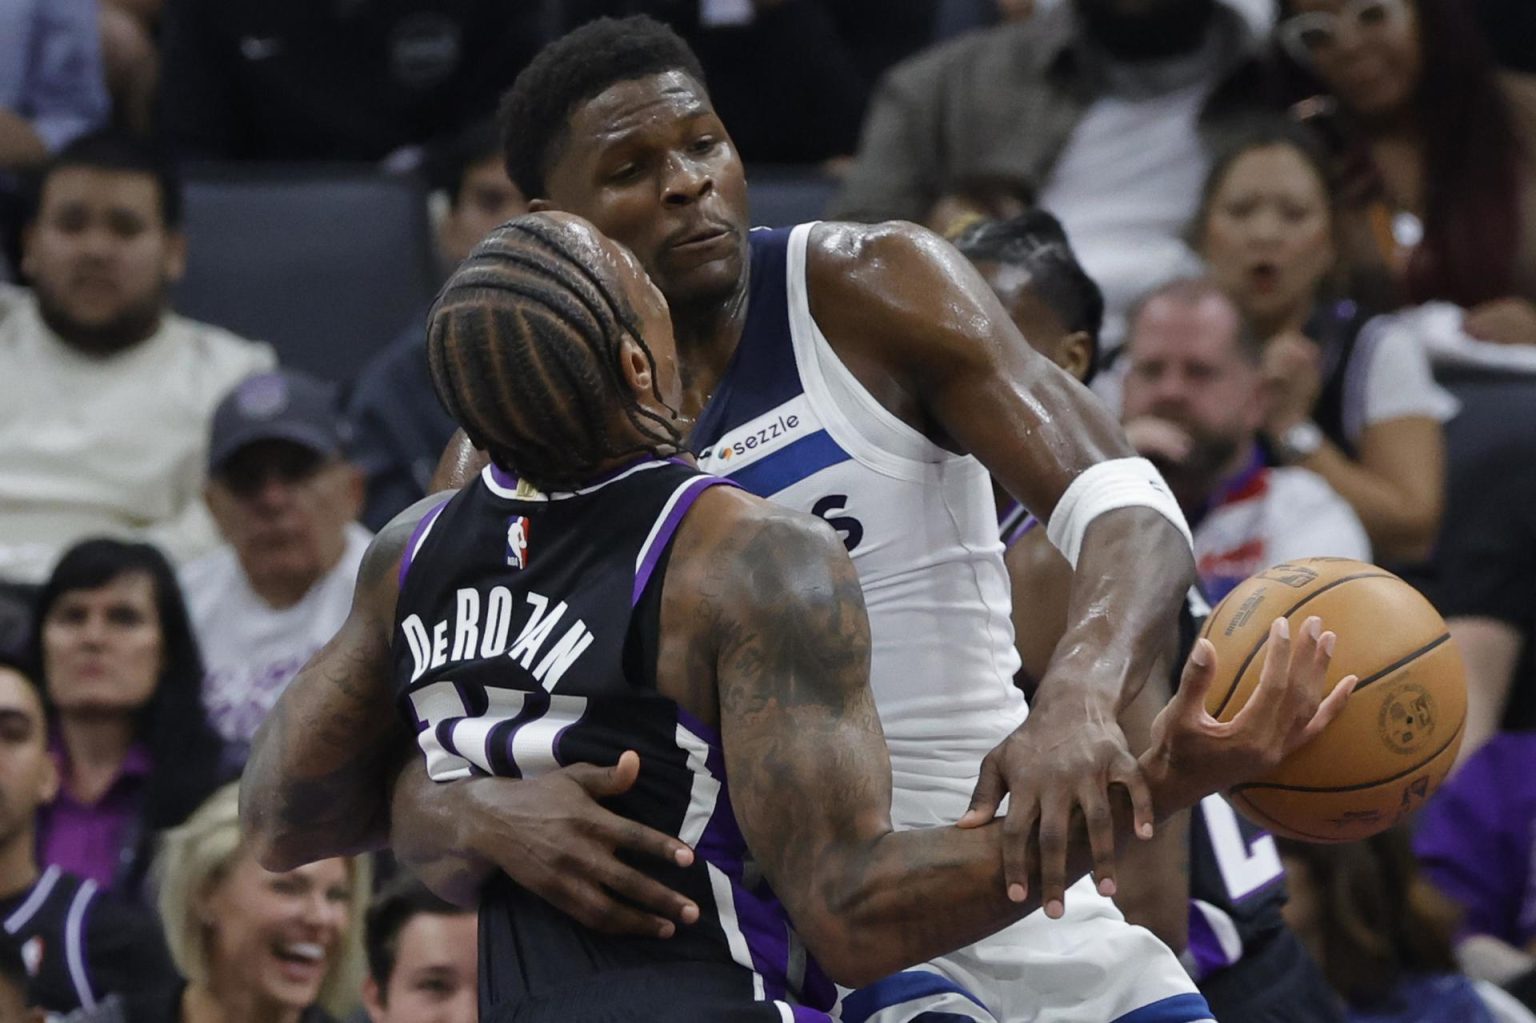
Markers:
(865, 375)
(1250, 966)
(607, 597)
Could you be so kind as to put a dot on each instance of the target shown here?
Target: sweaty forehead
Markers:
(624, 109)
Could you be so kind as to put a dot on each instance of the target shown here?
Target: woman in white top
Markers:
(1351, 402)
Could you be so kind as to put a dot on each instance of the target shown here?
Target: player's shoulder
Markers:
(892, 265)
(731, 533)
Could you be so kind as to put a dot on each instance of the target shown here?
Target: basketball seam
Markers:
(1241, 671)
(1278, 823)
(1401, 662)
(1277, 787)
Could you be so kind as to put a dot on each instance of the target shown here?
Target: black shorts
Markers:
(1276, 983)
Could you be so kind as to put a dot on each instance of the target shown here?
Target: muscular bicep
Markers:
(900, 296)
(802, 739)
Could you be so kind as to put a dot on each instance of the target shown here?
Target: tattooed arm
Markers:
(775, 606)
(318, 780)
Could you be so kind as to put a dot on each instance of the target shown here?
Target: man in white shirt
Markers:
(1193, 405)
(285, 501)
(105, 393)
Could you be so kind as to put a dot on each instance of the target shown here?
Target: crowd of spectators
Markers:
(1307, 234)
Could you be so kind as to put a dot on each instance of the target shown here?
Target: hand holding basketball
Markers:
(1395, 741)
(1291, 705)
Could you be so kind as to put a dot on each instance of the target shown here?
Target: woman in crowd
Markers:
(1436, 149)
(1354, 404)
(122, 673)
(1383, 936)
(252, 946)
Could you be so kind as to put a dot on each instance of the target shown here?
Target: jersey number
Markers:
(848, 527)
(1246, 865)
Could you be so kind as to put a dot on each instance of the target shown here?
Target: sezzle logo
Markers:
(517, 542)
(781, 426)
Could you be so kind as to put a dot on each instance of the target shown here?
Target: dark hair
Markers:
(1377, 918)
(118, 151)
(400, 902)
(183, 747)
(1036, 242)
(447, 165)
(536, 111)
(523, 345)
(1472, 161)
(1267, 134)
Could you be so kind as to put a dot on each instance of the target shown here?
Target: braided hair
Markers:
(1036, 242)
(524, 348)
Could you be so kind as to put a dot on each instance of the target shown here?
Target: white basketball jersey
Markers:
(789, 422)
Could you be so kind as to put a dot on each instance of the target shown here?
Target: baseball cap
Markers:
(280, 405)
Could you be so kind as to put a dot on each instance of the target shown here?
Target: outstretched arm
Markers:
(789, 639)
(909, 309)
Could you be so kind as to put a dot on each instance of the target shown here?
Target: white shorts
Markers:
(1088, 967)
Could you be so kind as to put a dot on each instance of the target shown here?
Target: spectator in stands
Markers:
(51, 92)
(1383, 935)
(79, 944)
(14, 1003)
(1102, 111)
(399, 428)
(349, 80)
(131, 59)
(1438, 152)
(120, 672)
(285, 500)
(423, 959)
(1351, 401)
(1476, 840)
(1194, 403)
(104, 392)
(250, 944)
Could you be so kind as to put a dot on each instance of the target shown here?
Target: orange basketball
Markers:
(1397, 737)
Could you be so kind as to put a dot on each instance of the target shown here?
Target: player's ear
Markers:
(1075, 354)
(635, 366)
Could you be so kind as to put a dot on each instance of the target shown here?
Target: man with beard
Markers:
(1104, 112)
(1192, 406)
(105, 395)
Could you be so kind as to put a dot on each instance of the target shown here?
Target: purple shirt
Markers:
(1477, 839)
(88, 839)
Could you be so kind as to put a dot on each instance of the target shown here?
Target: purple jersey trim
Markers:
(674, 518)
(415, 541)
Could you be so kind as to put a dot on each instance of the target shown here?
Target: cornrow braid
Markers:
(524, 349)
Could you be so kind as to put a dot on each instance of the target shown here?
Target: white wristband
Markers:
(1117, 483)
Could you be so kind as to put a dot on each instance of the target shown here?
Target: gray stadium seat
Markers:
(327, 264)
(783, 195)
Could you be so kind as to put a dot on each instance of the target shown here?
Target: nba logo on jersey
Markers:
(517, 542)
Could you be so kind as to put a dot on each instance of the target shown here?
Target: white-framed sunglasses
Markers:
(1316, 33)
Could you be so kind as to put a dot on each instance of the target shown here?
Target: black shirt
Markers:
(334, 79)
(80, 945)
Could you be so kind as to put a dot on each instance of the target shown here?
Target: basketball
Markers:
(1399, 733)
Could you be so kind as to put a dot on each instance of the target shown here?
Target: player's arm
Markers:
(910, 310)
(318, 779)
(1153, 884)
(783, 623)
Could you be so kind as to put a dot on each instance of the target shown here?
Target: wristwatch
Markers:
(1298, 441)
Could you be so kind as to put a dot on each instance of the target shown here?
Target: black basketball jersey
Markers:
(79, 945)
(1236, 881)
(525, 640)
